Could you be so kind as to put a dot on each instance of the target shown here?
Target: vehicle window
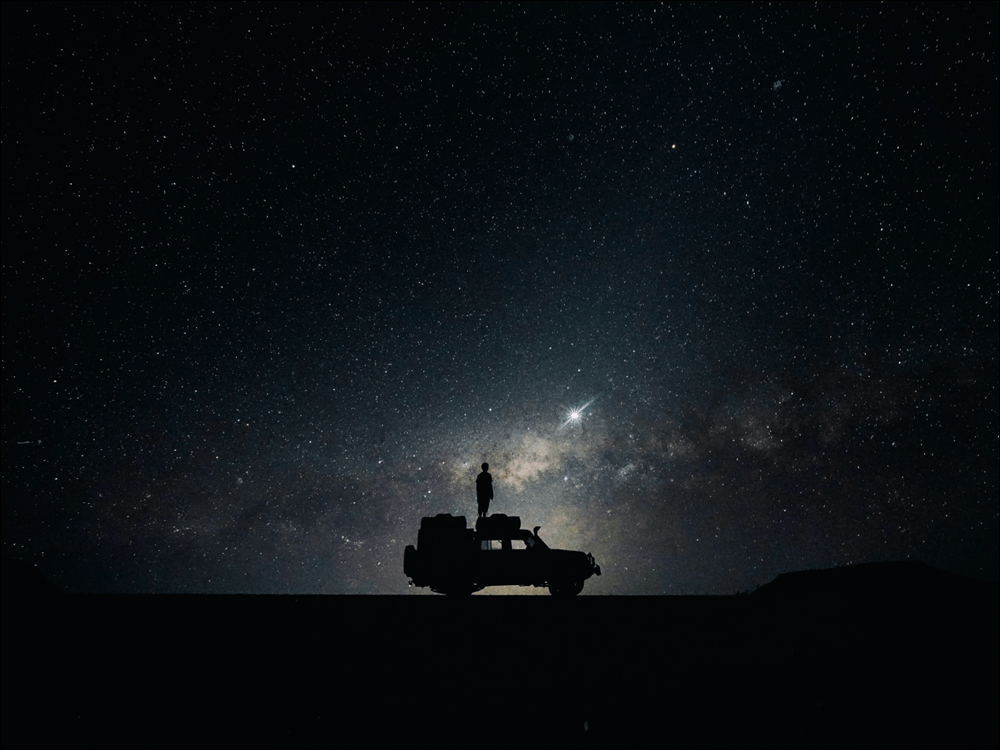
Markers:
(490, 545)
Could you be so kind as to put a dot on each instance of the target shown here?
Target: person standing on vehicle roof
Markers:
(484, 490)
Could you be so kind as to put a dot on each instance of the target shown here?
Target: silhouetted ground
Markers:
(888, 655)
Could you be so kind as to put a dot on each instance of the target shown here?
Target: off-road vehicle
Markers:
(453, 559)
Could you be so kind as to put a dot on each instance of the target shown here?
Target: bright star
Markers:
(575, 415)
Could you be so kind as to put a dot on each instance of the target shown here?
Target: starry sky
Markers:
(277, 278)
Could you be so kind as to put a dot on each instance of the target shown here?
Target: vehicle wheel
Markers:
(567, 588)
(410, 561)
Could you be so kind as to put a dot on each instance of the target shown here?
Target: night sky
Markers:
(277, 278)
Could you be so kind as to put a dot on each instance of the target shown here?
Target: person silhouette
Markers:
(484, 490)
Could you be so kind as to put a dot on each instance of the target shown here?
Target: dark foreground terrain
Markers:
(888, 655)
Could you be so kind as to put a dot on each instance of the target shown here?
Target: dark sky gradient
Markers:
(278, 278)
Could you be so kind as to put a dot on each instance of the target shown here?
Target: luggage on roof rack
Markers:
(443, 522)
(497, 524)
(443, 531)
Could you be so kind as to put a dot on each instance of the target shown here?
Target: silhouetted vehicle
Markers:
(453, 559)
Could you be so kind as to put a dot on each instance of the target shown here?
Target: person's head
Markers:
(486, 467)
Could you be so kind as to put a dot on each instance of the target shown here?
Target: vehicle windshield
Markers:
(534, 541)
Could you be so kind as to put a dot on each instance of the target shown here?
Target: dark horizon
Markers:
(278, 278)
(832, 659)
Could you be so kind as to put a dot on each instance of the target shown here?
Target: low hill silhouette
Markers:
(22, 580)
(875, 580)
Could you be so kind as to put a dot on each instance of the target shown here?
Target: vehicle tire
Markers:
(566, 588)
(410, 561)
